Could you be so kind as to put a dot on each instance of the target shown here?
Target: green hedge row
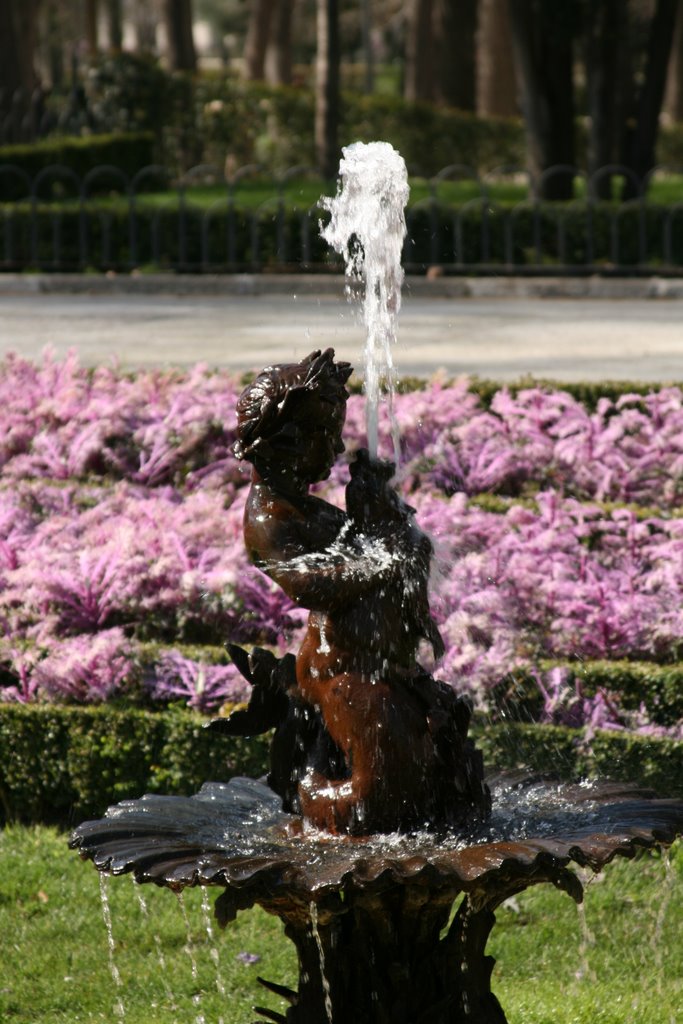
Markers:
(64, 764)
(659, 687)
(588, 393)
(562, 752)
(126, 151)
(203, 118)
(119, 235)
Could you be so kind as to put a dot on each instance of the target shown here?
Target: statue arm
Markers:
(304, 556)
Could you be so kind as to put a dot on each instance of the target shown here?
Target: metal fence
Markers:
(201, 222)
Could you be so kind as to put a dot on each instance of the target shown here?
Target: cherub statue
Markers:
(375, 743)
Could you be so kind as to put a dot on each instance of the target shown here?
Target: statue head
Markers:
(289, 419)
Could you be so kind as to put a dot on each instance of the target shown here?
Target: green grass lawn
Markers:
(54, 963)
(303, 193)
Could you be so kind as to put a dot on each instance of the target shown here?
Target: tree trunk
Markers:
(673, 96)
(368, 54)
(606, 83)
(455, 29)
(495, 67)
(419, 74)
(17, 48)
(543, 36)
(641, 132)
(181, 51)
(145, 28)
(114, 26)
(278, 64)
(56, 68)
(256, 43)
(327, 88)
(90, 13)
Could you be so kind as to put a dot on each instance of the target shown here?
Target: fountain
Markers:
(375, 817)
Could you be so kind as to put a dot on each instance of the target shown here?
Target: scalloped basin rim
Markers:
(235, 835)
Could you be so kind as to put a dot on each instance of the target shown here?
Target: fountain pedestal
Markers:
(380, 958)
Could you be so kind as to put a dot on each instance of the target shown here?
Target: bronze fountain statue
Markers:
(375, 816)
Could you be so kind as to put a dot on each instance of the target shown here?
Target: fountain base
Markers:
(396, 955)
(371, 916)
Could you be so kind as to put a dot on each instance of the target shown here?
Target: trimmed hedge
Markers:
(64, 764)
(128, 152)
(659, 687)
(562, 752)
(430, 137)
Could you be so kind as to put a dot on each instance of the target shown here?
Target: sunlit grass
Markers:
(54, 965)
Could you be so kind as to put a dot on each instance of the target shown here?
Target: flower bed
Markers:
(556, 527)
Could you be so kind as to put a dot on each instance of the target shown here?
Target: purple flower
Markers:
(201, 686)
(248, 958)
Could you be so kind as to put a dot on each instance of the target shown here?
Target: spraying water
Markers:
(367, 226)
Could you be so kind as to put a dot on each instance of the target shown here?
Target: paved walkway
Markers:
(503, 335)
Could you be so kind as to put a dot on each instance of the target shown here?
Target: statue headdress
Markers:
(268, 409)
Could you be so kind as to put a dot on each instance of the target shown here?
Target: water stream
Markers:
(213, 947)
(119, 1009)
(189, 949)
(656, 941)
(367, 226)
(158, 946)
(313, 909)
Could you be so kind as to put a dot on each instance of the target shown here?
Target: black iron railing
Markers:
(201, 222)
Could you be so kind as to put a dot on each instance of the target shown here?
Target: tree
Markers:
(626, 47)
(455, 29)
(178, 18)
(673, 96)
(607, 77)
(543, 33)
(256, 43)
(419, 74)
(642, 121)
(496, 89)
(279, 53)
(90, 15)
(18, 19)
(327, 87)
(440, 52)
(114, 26)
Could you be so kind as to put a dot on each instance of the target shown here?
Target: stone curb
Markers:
(593, 287)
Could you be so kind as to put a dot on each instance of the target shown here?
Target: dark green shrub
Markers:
(78, 156)
(564, 753)
(62, 764)
(430, 138)
(129, 93)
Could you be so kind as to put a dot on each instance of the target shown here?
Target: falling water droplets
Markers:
(584, 971)
(313, 908)
(161, 959)
(189, 949)
(213, 948)
(663, 906)
(114, 971)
